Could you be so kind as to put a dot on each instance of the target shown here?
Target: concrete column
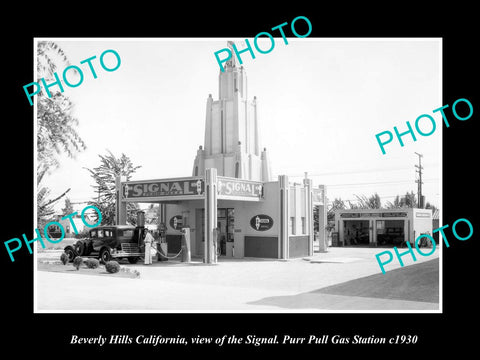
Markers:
(371, 230)
(208, 126)
(322, 222)
(341, 232)
(406, 231)
(322, 239)
(309, 213)
(283, 233)
(210, 215)
(239, 158)
(266, 170)
(256, 145)
(120, 204)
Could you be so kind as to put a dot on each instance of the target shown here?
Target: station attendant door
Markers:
(356, 232)
(225, 226)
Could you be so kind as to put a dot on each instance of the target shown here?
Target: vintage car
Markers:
(108, 242)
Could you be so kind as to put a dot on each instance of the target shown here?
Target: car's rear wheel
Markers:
(105, 255)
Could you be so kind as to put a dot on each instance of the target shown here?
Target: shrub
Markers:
(112, 267)
(92, 263)
(64, 258)
(134, 272)
(77, 262)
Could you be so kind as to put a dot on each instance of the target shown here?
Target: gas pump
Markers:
(139, 232)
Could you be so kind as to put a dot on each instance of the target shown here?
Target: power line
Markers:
(378, 170)
(378, 183)
(419, 180)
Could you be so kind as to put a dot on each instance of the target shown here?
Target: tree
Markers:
(407, 201)
(68, 209)
(104, 177)
(431, 206)
(44, 205)
(56, 132)
(337, 204)
(364, 202)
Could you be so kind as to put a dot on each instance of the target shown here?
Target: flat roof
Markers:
(379, 210)
(115, 226)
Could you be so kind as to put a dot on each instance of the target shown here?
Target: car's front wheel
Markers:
(70, 253)
(105, 255)
(80, 248)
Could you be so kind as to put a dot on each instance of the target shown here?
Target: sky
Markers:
(320, 103)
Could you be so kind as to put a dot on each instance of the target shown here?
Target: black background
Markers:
(49, 334)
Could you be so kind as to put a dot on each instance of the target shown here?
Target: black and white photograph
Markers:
(219, 180)
(254, 175)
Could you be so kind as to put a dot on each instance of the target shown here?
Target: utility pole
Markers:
(419, 180)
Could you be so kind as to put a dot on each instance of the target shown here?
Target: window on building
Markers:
(221, 213)
(304, 225)
(291, 226)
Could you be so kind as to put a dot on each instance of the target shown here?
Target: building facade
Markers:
(381, 227)
(232, 144)
(231, 202)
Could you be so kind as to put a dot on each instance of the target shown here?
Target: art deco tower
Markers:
(231, 130)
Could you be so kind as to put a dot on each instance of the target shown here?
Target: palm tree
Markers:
(364, 202)
(407, 201)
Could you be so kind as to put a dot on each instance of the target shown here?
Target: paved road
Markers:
(250, 285)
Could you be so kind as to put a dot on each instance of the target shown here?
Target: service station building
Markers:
(377, 227)
(231, 201)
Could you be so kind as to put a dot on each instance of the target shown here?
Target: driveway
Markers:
(250, 285)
